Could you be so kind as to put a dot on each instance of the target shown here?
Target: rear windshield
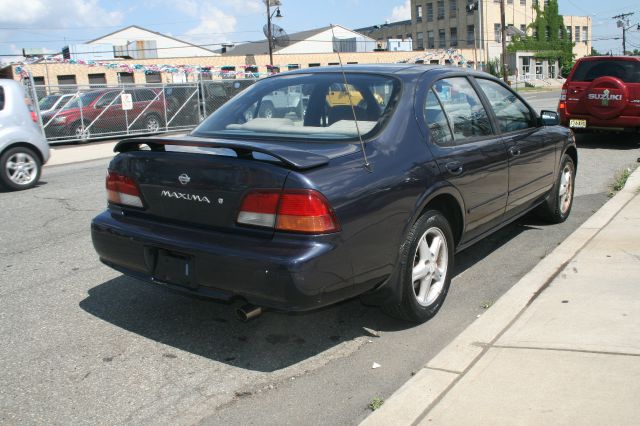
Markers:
(307, 106)
(627, 71)
(49, 101)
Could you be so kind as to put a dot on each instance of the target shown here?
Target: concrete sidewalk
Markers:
(561, 347)
(76, 153)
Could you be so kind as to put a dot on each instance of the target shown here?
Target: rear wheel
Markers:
(152, 124)
(21, 168)
(267, 110)
(426, 267)
(558, 206)
(81, 132)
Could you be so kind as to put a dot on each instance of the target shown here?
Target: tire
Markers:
(558, 206)
(267, 111)
(80, 132)
(152, 124)
(424, 289)
(21, 168)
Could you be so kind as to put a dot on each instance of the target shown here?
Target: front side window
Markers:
(307, 106)
(512, 114)
(463, 108)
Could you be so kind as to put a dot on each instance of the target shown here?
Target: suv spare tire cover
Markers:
(606, 97)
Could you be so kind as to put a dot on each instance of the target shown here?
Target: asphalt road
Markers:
(84, 345)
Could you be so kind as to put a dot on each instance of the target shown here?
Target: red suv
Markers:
(101, 113)
(602, 93)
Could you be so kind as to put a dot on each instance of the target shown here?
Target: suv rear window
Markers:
(307, 106)
(627, 71)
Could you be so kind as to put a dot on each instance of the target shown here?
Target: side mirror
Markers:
(549, 118)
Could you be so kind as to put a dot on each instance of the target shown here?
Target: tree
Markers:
(549, 39)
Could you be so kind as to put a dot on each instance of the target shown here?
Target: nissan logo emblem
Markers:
(184, 178)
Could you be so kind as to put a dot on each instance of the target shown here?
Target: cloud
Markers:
(67, 14)
(401, 12)
(214, 26)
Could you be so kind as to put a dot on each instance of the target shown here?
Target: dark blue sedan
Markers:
(316, 186)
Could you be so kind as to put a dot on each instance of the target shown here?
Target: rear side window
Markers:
(627, 71)
(511, 112)
(436, 120)
(465, 112)
(1, 98)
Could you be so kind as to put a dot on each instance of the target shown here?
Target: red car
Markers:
(101, 113)
(602, 93)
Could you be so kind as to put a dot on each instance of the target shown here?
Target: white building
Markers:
(319, 40)
(139, 43)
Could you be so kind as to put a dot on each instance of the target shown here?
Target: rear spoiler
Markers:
(291, 157)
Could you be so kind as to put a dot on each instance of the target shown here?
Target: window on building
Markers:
(523, 2)
(535, 3)
(314, 65)
(453, 37)
(496, 1)
(569, 36)
(431, 44)
(497, 34)
(471, 35)
(292, 67)
(419, 13)
(99, 79)
(470, 3)
(153, 77)
(523, 28)
(409, 37)
(585, 34)
(125, 77)
(453, 8)
(440, 9)
(509, 1)
(420, 41)
(577, 34)
(429, 12)
(67, 79)
(442, 42)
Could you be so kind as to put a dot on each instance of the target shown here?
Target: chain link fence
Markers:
(81, 113)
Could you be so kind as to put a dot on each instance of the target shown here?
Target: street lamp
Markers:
(270, 16)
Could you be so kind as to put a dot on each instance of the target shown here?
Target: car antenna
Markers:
(367, 165)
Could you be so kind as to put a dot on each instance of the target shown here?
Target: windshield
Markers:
(48, 102)
(84, 99)
(627, 71)
(307, 106)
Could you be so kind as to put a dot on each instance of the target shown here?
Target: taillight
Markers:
(303, 210)
(123, 190)
(562, 105)
(34, 117)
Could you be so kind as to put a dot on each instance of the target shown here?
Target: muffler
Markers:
(248, 312)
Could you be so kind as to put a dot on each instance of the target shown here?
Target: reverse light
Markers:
(123, 190)
(303, 210)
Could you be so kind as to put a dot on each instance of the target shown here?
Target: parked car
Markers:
(296, 213)
(100, 113)
(23, 148)
(215, 93)
(602, 93)
(54, 102)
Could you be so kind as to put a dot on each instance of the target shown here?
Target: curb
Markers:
(413, 401)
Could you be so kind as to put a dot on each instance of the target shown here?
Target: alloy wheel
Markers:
(565, 192)
(21, 168)
(430, 263)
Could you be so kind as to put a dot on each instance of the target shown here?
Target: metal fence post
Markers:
(164, 102)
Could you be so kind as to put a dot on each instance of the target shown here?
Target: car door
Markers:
(532, 152)
(469, 154)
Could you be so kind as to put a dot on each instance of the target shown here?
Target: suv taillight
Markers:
(123, 190)
(297, 210)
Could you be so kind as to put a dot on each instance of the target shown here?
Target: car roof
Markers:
(405, 69)
(609, 58)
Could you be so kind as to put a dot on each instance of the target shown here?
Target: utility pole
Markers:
(503, 29)
(623, 22)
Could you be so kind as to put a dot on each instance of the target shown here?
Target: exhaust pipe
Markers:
(248, 312)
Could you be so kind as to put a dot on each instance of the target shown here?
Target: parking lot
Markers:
(84, 344)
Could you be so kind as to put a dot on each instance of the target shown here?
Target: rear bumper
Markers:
(292, 274)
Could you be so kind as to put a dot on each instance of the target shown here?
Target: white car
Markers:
(23, 147)
(54, 102)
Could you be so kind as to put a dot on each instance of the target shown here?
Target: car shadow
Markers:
(273, 341)
(620, 141)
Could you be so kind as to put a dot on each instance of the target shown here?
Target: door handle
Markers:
(454, 168)
(514, 151)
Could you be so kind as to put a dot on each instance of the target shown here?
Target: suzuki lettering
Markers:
(605, 97)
